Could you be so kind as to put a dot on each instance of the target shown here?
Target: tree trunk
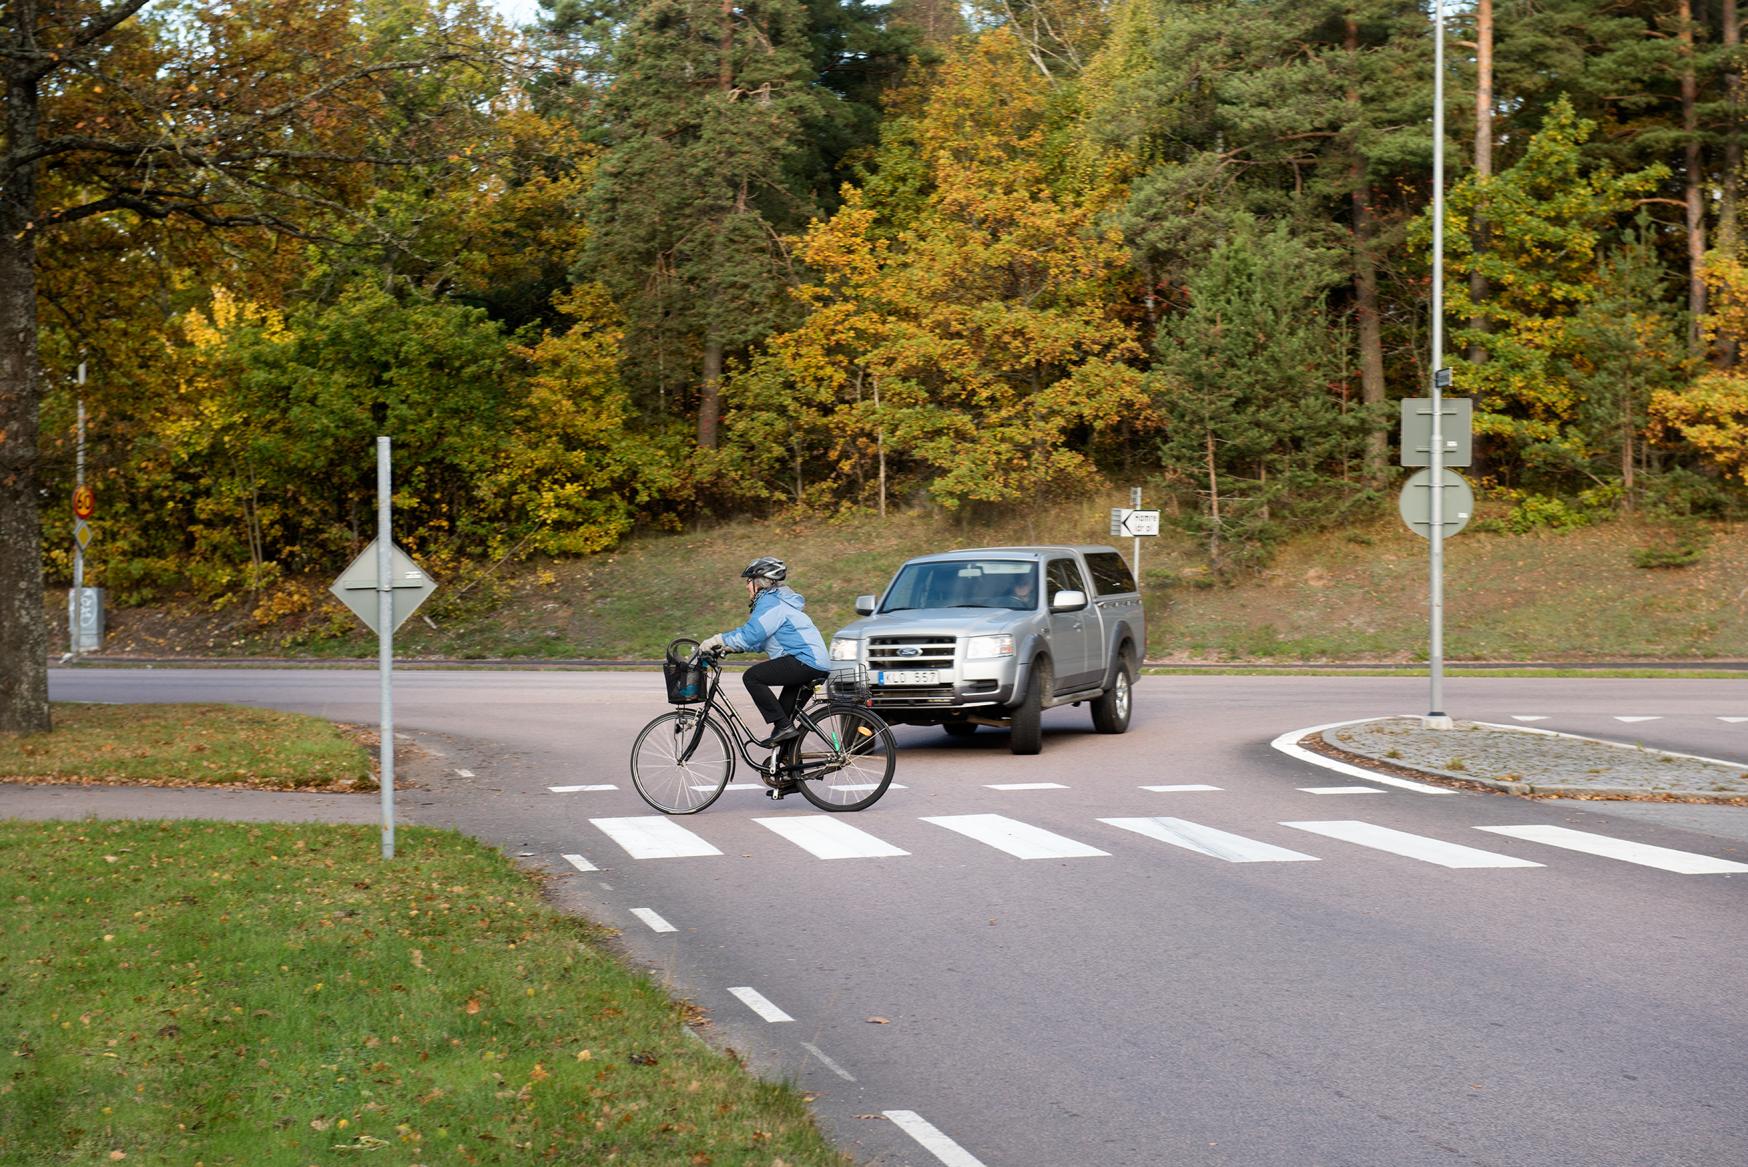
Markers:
(1696, 223)
(1478, 289)
(1728, 227)
(24, 678)
(710, 394)
(1371, 337)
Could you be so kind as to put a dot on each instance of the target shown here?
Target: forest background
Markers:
(656, 260)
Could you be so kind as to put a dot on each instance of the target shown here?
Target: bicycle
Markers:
(683, 760)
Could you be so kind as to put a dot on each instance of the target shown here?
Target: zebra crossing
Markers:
(830, 837)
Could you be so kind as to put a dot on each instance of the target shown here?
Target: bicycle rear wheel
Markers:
(847, 762)
(671, 779)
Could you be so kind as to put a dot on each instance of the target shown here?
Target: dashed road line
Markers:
(1340, 790)
(1453, 855)
(655, 922)
(465, 773)
(1024, 786)
(760, 1004)
(1529, 717)
(1633, 719)
(581, 864)
(1734, 720)
(653, 837)
(1644, 854)
(1179, 789)
(829, 1064)
(931, 1139)
(1021, 840)
(581, 789)
(1210, 841)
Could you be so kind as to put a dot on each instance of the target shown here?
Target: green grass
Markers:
(201, 993)
(1358, 594)
(188, 745)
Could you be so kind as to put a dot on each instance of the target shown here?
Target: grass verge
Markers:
(203, 993)
(188, 745)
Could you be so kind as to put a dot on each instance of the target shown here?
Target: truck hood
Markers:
(936, 622)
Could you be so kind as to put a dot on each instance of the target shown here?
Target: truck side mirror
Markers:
(865, 605)
(1068, 600)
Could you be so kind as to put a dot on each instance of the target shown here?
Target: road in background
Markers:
(1174, 946)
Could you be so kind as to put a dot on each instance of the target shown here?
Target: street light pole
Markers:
(1436, 718)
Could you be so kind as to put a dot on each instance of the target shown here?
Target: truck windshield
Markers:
(965, 583)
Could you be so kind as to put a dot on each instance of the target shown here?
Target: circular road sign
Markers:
(1415, 503)
(84, 502)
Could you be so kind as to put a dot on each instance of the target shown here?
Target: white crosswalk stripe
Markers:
(654, 837)
(1633, 719)
(1021, 840)
(1340, 790)
(1644, 854)
(1453, 855)
(829, 838)
(1210, 841)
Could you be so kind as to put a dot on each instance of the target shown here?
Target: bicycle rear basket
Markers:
(848, 685)
(683, 670)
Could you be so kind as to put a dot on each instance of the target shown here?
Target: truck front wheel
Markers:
(1027, 736)
(1111, 709)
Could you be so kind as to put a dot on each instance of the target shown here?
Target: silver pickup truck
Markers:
(996, 635)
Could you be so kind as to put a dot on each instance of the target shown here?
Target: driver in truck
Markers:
(778, 624)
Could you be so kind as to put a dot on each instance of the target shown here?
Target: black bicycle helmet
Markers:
(767, 567)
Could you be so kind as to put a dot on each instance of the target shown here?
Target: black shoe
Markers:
(783, 788)
(786, 733)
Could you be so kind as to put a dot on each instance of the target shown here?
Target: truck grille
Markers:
(894, 652)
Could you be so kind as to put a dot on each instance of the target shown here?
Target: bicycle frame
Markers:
(741, 732)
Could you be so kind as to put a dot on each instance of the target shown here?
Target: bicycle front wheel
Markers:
(846, 762)
(678, 765)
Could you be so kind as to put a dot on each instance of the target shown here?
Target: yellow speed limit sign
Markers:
(84, 502)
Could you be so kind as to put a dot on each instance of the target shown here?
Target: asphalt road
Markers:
(1314, 991)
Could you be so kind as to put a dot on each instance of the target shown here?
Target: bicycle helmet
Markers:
(767, 567)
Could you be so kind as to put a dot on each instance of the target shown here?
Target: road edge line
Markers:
(1288, 743)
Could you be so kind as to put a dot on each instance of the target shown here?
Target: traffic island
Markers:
(1535, 762)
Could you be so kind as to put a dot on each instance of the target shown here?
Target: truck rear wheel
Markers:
(1027, 736)
(1111, 709)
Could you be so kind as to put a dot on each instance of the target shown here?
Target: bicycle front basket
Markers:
(848, 685)
(684, 673)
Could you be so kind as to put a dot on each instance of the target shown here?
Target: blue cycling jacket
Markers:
(780, 627)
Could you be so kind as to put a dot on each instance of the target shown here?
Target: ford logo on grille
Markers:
(910, 650)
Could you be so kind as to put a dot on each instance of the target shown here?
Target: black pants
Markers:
(788, 671)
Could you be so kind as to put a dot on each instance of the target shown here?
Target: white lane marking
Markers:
(1644, 854)
(829, 838)
(1209, 841)
(469, 773)
(1024, 786)
(760, 1004)
(932, 1140)
(581, 864)
(1288, 744)
(1734, 720)
(1410, 846)
(579, 789)
(655, 922)
(1021, 840)
(1341, 790)
(1178, 789)
(1528, 717)
(829, 1064)
(653, 837)
(1632, 719)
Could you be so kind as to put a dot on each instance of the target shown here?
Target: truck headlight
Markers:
(845, 649)
(985, 647)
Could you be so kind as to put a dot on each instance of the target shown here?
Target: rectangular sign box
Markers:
(1457, 423)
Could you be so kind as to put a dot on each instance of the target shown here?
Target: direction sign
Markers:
(84, 502)
(1415, 503)
(356, 587)
(1140, 523)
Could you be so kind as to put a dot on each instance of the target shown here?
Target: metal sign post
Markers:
(385, 642)
(1436, 718)
(74, 640)
(1135, 504)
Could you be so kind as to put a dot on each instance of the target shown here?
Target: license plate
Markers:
(908, 677)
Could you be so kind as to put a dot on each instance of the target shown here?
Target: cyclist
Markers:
(778, 624)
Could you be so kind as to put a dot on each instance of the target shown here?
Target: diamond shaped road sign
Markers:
(356, 587)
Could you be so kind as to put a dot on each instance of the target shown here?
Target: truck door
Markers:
(1074, 636)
